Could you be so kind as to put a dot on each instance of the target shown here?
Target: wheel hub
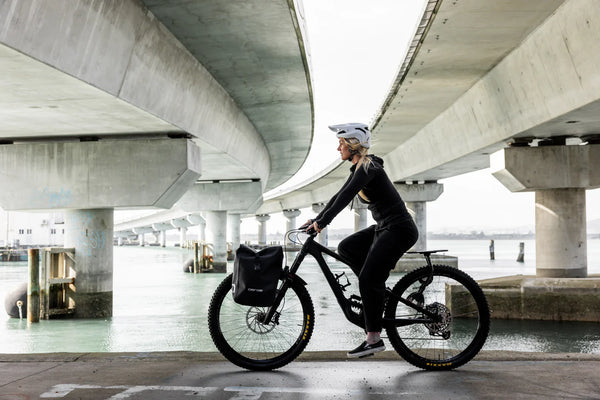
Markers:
(254, 318)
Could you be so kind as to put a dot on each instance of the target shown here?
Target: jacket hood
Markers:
(378, 160)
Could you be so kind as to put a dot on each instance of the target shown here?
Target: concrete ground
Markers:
(319, 375)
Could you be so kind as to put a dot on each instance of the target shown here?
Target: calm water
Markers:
(157, 307)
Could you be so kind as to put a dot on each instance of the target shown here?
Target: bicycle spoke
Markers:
(242, 337)
(458, 330)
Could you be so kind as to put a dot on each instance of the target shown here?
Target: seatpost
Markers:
(428, 260)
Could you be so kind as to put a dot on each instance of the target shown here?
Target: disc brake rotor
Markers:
(254, 317)
(442, 326)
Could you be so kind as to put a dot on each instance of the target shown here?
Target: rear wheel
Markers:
(461, 326)
(243, 339)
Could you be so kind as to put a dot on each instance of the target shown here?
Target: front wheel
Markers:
(462, 318)
(242, 337)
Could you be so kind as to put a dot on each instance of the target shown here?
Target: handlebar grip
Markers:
(311, 231)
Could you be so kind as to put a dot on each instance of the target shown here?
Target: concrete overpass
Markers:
(127, 104)
(477, 77)
(515, 77)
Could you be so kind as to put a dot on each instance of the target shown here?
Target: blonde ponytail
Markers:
(356, 148)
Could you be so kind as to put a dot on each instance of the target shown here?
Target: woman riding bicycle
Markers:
(373, 251)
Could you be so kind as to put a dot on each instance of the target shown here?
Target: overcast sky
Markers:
(355, 49)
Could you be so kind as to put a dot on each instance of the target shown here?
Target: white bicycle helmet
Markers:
(353, 130)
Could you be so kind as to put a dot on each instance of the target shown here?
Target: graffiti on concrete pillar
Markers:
(87, 239)
(46, 198)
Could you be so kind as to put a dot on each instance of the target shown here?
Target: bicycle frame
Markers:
(315, 249)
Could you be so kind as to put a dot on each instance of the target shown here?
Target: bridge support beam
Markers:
(416, 196)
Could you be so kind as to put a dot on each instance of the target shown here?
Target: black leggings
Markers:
(374, 252)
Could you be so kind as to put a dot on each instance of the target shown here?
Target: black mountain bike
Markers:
(436, 317)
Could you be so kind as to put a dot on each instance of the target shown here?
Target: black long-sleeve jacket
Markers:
(382, 198)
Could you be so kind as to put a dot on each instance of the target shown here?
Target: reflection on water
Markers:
(157, 307)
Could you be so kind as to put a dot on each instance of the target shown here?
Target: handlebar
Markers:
(311, 231)
(308, 230)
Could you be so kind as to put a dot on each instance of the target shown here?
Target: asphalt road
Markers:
(323, 375)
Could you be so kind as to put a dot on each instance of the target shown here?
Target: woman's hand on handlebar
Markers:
(315, 227)
(310, 227)
(305, 225)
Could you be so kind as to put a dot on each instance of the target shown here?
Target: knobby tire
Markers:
(463, 325)
(239, 335)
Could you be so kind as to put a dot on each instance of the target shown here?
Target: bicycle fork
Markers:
(288, 277)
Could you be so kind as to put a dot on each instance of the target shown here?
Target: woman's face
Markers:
(344, 150)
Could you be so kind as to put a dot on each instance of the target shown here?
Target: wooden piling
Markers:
(33, 286)
(196, 260)
(521, 257)
(492, 253)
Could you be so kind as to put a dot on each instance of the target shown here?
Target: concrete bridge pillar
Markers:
(561, 237)
(182, 236)
(416, 196)
(197, 219)
(90, 233)
(227, 197)
(182, 224)
(262, 227)
(559, 175)
(216, 224)
(162, 228)
(202, 232)
(234, 221)
(323, 236)
(290, 223)
(141, 232)
(360, 214)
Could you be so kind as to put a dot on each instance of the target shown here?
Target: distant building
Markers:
(31, 229)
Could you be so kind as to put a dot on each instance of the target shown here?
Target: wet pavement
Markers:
(318, 375)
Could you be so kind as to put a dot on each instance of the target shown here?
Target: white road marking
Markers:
(63, 390)
(242, 392)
